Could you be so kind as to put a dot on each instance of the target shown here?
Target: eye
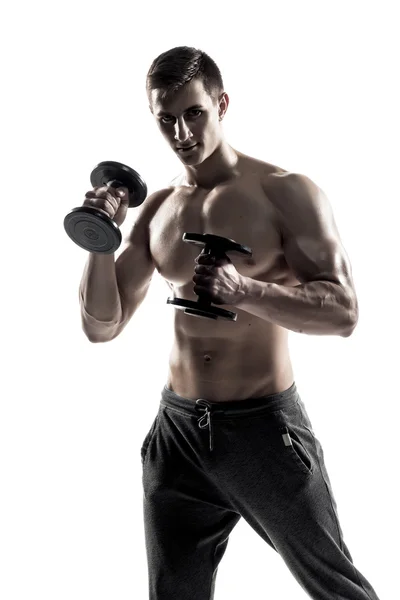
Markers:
(200, 112)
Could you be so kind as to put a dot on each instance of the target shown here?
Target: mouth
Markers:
(185, 150)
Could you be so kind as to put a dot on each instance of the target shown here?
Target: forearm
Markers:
(315, 308)
(99, 295)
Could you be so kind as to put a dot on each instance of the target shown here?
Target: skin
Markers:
(298, 278)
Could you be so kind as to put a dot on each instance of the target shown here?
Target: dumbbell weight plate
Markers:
(92, 230)
(119, 175)
(206, 310)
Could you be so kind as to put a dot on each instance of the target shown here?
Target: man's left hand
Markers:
(217, 280)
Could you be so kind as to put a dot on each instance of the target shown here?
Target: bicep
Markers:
(311, 240)
(313, 259)
(134, 270)
(135, 266)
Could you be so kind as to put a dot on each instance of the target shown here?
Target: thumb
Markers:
(123, 193)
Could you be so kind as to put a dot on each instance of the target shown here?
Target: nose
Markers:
(182, 131)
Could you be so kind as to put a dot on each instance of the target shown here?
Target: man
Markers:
(232, 437)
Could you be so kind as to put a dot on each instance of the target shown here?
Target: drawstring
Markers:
(205, 420)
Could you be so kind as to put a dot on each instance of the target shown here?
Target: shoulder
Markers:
(156, 198)
(144, 213)
(285, 189)
(288, 184)
(296, 196)
(292, 187)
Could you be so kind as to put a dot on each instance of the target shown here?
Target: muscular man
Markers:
(232, 437)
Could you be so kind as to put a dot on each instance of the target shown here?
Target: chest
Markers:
(240, 211)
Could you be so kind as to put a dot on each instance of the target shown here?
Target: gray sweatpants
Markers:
(206, 465)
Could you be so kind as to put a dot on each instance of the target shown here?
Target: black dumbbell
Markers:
(217, 246)
(89, 227)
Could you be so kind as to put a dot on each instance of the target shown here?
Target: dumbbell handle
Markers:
(209, 250)
(114, 183)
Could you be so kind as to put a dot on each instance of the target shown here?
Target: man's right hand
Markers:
(114, 202)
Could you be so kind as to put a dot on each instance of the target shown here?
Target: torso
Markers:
(221, 360)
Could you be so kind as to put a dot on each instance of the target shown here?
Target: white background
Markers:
(312, 87)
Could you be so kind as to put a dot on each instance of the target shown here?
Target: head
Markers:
(186, 97)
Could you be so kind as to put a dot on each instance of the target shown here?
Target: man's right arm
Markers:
(111, 291)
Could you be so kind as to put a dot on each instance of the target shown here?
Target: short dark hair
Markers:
(173, 69)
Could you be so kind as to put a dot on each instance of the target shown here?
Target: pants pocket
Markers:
(148, 439)
(295, 450)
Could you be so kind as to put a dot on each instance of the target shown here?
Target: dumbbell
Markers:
(89, 227)
(216, 246)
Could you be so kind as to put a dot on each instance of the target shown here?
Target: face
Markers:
(190, 119)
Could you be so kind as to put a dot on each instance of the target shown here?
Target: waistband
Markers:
(229, 409)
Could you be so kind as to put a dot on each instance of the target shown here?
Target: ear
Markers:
(223, 105)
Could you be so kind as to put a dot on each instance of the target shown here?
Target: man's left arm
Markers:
(325, 303)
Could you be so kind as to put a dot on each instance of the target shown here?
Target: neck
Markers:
(217, 168)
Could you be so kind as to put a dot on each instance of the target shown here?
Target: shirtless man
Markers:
(232, 437)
